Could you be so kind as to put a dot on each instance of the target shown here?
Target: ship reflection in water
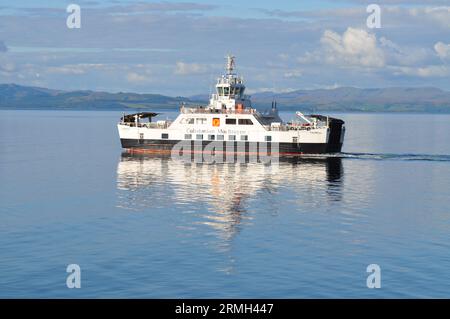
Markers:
(222, 196)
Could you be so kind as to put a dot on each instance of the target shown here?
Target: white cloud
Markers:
(7, 66)
(183, 68)
(271, 90)
(309, 57)
(332, 87)
(404, 55)
(141, 7)
(424, 72)
(134, 77)
(293, 74)
(359, 48)
(66, 70)
(442, 50)
(439, 15)
(355, 47)
(283, 56)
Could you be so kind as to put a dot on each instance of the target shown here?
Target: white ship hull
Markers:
(237, 138)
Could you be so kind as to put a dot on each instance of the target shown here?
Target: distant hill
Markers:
(425, 99)
(14, 96)
(395, 99)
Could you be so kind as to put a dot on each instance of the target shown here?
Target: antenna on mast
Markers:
(230, 64)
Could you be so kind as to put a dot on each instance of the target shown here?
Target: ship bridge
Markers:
(230, 89)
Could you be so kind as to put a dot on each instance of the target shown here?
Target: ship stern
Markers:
(336, 135)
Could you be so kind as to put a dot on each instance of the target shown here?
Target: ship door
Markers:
(296, 139)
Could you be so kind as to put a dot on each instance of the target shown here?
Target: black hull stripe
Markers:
(246, 147)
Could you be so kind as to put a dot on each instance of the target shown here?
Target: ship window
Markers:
(187, 121)
(231, 137)
(220, 90)
(188, 136)
(294, 140)
(245, 122)
(244, 137)
(164, 136)
(220, 137)
(268, 138)
(199, 137)
(226, 91)
(211, 137)
(201, 121)
(230, 121)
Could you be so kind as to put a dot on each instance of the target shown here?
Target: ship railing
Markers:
(289, 127)
(191, 110)
(216, 96)
(147, 125)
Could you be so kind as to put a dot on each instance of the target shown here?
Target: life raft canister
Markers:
(216, 121)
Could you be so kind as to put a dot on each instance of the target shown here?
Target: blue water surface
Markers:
(152, 227)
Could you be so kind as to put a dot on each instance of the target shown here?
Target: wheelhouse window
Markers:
(188, 136)
(164, 136)
(211, 137)
(245, 122)
(226, 91)
(231, 137)
(220, 137)
(244, 137)
(201, 120)
(230, 121)
(187, 121)
(199, 137)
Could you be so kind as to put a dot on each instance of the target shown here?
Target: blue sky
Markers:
(178, 47)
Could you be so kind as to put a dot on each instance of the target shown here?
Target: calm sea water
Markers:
(153, 227)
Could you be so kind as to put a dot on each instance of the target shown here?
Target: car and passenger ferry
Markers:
(230, 120)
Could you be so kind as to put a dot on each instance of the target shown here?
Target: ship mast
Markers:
(230, 64)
